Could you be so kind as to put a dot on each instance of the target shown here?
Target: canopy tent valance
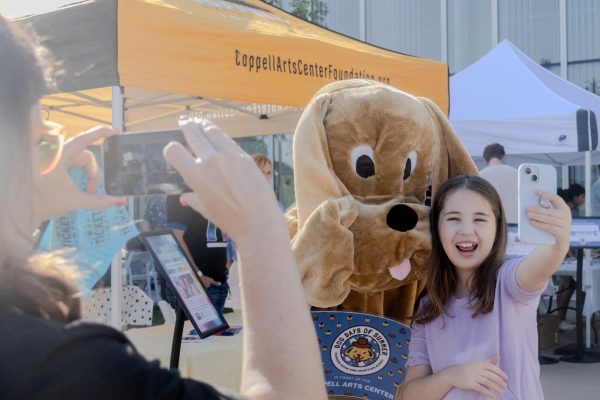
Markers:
(246, 64)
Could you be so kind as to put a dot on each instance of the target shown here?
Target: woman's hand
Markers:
(56, 192)
(556, 221)
(229, 189)
(484, 377)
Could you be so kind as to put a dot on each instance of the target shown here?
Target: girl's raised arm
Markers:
(544, 260)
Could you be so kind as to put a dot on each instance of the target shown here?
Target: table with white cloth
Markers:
(136, 306)
(216, 360)
(591, 285)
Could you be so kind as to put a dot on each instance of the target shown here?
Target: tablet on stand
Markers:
(183, 279)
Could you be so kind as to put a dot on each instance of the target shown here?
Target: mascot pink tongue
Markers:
(401, 270)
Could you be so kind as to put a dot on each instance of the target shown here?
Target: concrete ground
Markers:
(571, 381)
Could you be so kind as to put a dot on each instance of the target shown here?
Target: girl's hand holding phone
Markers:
(556, 220)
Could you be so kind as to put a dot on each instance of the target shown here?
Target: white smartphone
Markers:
(532, 178)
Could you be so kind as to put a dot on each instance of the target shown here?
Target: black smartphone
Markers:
(134, 164)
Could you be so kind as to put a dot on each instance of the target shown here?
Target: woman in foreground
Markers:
(45, 355)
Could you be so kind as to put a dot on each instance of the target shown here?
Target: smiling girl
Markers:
(475, 334)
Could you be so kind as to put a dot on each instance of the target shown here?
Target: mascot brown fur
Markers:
(365, 154)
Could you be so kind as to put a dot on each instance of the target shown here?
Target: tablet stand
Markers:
(581, 356)
(177, 336)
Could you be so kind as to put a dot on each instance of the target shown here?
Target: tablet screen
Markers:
(179, 273)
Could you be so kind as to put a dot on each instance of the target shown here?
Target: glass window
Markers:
(583, 40)
(469, 32)
(338, 15)
(534, 27)
(257, 144)
(407, 26)
(284, 170)
(343, 16)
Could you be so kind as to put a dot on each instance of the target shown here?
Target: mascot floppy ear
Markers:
(314, 178)
(453, 158)
(323, 245)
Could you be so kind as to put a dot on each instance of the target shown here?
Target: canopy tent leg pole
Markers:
(362, 20)
(587, 276)
(116, 275)
(494, 24)
(444, 30)
(562, 7)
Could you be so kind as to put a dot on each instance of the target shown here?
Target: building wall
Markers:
(415, 27)
(473, 27)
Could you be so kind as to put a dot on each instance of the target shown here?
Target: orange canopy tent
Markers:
(250, 67)
(245, 64)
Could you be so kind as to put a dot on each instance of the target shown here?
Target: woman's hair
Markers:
(441, 275)
(261, 160)
(32, 286)
(22, 83)
(568, 195)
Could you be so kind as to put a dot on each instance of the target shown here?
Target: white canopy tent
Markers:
(537, 116)
(506, 97)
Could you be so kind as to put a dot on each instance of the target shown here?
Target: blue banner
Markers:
(95, 237)
(363, 355)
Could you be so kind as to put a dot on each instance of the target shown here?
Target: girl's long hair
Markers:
(441, 275)
(38, 286)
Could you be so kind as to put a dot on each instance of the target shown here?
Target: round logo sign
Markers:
(360, 350)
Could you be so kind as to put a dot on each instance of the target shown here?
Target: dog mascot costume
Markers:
(365, 155)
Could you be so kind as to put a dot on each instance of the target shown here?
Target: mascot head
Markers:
(366, 157)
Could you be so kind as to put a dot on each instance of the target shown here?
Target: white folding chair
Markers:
(140, 269)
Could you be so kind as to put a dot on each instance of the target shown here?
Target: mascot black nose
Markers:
(402, 218)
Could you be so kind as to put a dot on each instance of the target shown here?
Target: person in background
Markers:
(44, 352)
(155, 215)
(204, 244)
(503, 178)
(574, 196)
(475, 333)
(264, 164)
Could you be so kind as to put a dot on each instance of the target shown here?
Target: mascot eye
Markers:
(411, 164)
(362, 161)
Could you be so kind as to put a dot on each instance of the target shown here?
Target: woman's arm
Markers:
(544, 260)
(281, 357)
(484, 377)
